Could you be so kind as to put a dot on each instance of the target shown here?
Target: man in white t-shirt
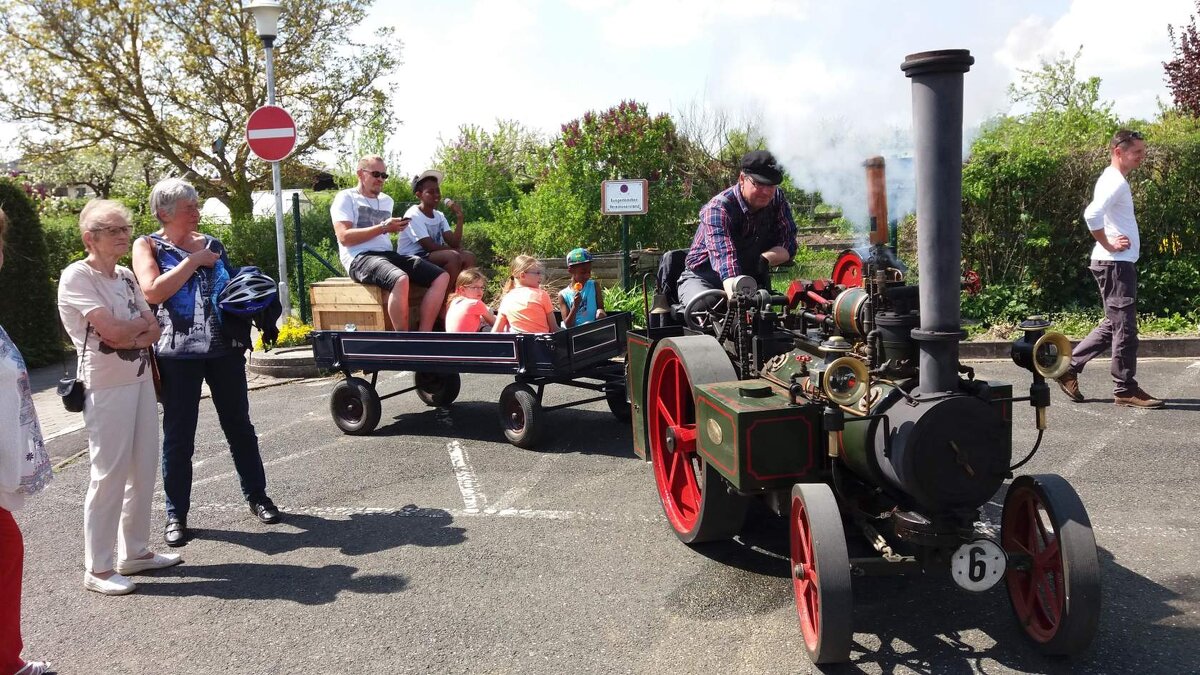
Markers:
(1111, 221)
(429, 235)
(363, 223)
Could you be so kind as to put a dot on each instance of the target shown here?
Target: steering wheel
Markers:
(706, 310)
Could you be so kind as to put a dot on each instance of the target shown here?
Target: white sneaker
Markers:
(114, 585)
(155, 562)
(34, 668)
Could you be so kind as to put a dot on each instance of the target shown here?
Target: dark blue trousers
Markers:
(226, 378)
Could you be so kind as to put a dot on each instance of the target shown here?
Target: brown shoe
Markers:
(1069, 383)
(1138, 399)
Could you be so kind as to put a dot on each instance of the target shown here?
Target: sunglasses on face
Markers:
(377, 174)
(113, 230)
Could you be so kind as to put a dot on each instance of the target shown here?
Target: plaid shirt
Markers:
(713, 244)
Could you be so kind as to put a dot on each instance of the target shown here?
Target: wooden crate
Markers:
(338, 301)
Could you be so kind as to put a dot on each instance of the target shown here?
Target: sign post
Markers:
(271, 135)
(624, 197)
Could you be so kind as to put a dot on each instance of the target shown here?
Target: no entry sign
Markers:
(271, 133)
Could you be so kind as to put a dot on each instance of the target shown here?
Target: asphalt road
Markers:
(434, 546)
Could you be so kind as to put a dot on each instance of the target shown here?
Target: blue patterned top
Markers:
(191, 326)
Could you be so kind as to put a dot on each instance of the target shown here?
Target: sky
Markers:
(824, 78)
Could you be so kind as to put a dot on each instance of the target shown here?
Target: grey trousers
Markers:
(1118, 330)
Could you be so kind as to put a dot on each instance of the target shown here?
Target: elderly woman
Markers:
(182, 271)
(110, 323)
(24, 471)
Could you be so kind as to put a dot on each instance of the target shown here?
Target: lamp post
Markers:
(266, 19)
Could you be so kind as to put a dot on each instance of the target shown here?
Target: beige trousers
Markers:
(122, 424)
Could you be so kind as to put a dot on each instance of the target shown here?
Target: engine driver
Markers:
(743, 230)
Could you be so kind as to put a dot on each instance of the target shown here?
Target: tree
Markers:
(27, 310)
(1183, 72)
(1067, 109)
(487, 168)
(102, 167)
(179, 79)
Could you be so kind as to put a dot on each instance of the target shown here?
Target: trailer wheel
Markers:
(437, 389)
(821, 573)
(1056, 599)
(617, 397)
(695, 497)
(520, 415)
(355, 406)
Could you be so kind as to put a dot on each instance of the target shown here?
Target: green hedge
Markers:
(28, 307)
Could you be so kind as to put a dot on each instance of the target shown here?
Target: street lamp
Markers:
(266, 19)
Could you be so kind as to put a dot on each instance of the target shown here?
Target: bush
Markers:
(293, 333)
(617, 299)
(28, 308)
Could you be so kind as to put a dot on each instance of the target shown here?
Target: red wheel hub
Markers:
(672, 422)
(1037, 593)
(847, 271)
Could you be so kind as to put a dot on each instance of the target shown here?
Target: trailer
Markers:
(589, 357)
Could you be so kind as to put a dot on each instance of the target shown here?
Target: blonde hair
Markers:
(466, 278)
(364, 161)
(97, 211)
(520, 264)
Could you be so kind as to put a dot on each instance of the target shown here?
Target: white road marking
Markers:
(413, 511)
(1194, 365)
(468, 483)
(63, 432)
(273, 462)
(522, 488)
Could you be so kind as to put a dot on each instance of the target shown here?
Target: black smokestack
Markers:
(937, 93)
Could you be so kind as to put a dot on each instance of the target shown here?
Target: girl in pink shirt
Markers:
(525, 308)
(466, 312)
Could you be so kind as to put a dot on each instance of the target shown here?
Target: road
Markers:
(433, 546)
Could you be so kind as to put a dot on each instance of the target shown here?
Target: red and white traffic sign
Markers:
(271, 133)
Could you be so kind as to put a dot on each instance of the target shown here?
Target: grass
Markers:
(1077, 324)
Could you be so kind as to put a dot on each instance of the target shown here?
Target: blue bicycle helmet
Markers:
(248, 292)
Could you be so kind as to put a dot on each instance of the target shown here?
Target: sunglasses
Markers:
(1129, 138)
(377, 174)
(113, 230)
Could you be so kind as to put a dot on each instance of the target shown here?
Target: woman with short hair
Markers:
(112, 328)
(24, 470)
(183, 271)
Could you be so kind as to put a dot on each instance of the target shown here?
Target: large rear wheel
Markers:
(695, 497)
(1055, 593)
(821, 573)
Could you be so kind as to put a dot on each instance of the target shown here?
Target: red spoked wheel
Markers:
(694, 495)
(1055, 588)
(821, 573)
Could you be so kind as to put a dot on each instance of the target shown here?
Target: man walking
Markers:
(1112, 224)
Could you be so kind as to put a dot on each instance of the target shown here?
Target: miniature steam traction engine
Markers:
(842, 404)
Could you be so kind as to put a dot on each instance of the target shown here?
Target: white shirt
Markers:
(409, 242)
(81, 289)
(1111, 210)
(353, 207)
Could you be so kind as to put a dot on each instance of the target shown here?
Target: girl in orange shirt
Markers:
(525, 308)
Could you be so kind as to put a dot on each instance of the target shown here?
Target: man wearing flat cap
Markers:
(742, 231)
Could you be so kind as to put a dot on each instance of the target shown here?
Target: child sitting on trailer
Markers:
(525, 307)
(590, 305)
(466, 313)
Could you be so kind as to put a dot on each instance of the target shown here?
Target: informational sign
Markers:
(271, 133)
(627, 197)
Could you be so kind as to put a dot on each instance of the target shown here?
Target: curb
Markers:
(284, 362)
(1147, 348)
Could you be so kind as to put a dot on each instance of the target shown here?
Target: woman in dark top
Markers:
(182, 271)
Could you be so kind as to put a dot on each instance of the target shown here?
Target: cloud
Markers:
(642, 24)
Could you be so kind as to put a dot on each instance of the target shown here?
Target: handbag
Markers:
(70, 387)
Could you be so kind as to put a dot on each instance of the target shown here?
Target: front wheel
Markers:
(437, 389)
(355, 406)
(520, 415)
(821, 573)
(1055, 593)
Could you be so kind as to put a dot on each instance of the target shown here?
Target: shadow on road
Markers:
(361, 534)
(925, 623)
(480, 421)
(246, 581)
